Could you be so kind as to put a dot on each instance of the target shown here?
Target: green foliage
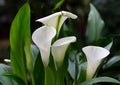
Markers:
(16, 80)
(20, 42)
(100, 79)
(94, 25)
(82, 73)
(49, 77)
(109, 11)
(26, 64)
(4, 69)
(77, 67)
(35, 53)
(112, 61)
(58, 5)
(38, 72)
(69, 30)
(6, 76)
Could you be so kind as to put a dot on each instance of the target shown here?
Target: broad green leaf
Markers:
(112, 61)
(16, 80)
(94, 25)
(71, 69)
(108, 47)
(19, 38)
(4, 69)
(77, 68)
(103, 42)
(35, 53)
(73, 64)
(38, 72)
(100, 79)
(6, 76)
(82, 72)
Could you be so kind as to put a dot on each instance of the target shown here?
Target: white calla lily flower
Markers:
(57, 19)
(59, 49)
(94, 55)
(42, 37)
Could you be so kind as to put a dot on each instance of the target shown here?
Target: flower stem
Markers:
(45, 81)
(57, 79)
(49, 76)
(32, 78)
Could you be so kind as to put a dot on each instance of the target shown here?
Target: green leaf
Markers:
(77, 67)
(108, 47)
(58, 5)
(100, 79)
(106, 42)
(6, 76)
(94, 25)
(73, 64)
(82, 72)
(4, 69)
(35, 53)
(71, 69)
(112, 62)
(16, 80)
(20, 37)
(38, 71)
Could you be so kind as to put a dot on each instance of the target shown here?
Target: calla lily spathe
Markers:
(59, 49)
(57, 19)
(43, 36)
(94, 55)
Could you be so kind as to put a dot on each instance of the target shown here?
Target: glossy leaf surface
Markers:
(19, 37)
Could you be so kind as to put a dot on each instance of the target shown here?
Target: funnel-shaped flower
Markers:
(57, 19)
(59, 49)
(94, 56)
(42, 37)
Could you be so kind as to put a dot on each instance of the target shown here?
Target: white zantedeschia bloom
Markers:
(42, 37)
(59, 49)
(57, 19)
(94, 55)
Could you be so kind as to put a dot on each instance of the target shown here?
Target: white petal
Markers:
(52, 20)
(59, 49)
(42, 37)
(94, 56)
(68, 14)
